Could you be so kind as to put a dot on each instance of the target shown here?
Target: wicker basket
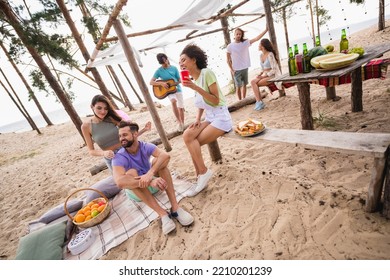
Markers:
(95, 220)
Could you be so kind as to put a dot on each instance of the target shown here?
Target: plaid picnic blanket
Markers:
(127, 217)
(374, 69)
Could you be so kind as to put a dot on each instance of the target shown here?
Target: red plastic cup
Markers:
(184, 75)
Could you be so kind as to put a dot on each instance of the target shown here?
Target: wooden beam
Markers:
(140, 80)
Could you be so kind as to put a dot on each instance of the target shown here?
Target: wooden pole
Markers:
(304, 98)
(386, 194)
(272, 34)
(144, 89)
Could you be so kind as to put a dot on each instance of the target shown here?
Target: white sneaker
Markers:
(167, 224)
(184, 218)
(191, 192)
(203, 180)
(180, 128)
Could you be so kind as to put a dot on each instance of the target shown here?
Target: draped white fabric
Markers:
(196, 11)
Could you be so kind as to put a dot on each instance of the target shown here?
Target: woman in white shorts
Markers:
(208, 99)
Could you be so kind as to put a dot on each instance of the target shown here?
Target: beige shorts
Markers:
(178, 96)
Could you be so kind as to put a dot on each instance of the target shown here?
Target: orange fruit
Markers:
(87, 213)
(79, 218)
(90, 203)
(88, 218)
(86, 208)
(95, 205)
(101, 208)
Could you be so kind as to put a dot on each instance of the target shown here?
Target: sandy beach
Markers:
(269, 201)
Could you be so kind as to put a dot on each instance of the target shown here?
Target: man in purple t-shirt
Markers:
(132, 170)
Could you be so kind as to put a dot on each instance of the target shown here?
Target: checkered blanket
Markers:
(374, 69)
(126, 218)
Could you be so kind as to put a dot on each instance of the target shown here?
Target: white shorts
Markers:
(219, 117)
(178, 96)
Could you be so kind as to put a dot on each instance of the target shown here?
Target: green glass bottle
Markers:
(343, 42)
(296, 50)
(292, 66)
(306, 60)
(318, 42)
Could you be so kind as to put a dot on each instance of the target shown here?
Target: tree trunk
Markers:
(22, 110)
(285, 28)
(13, 21)
(312, 23)
(272, 34)
(131, 85)
(381, 18)
(84, 51)
(121, 89)
(318, 21)
(29, 89)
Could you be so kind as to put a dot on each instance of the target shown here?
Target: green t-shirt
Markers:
(206, 79)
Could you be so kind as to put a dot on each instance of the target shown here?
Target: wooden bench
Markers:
(375, 145)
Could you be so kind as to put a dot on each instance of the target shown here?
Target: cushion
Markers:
(58, 211)
(106, 186)
(43, 244)
(131, 195)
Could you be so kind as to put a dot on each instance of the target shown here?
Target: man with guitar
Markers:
(166, 82)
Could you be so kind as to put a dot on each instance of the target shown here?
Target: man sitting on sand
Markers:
(132, 170)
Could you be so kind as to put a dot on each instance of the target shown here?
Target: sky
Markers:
(150, 14)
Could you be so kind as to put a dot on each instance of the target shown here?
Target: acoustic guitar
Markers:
(161, 92)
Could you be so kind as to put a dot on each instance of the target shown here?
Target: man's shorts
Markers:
(241, 77)
(178, 96)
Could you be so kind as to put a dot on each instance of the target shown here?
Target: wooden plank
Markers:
(367, 144)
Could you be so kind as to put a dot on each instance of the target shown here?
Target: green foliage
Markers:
(322, 120)
(38, 80)
(289, 10)
(50, 13)
(323, 14)
(356, 1)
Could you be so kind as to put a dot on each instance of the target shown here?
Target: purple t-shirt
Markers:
(139, 161)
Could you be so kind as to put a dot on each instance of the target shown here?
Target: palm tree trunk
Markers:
(68, 106)
(29, 89)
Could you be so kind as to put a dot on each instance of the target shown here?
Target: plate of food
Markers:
(249, 127)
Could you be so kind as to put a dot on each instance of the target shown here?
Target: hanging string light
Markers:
(344, 16)
(326, 24)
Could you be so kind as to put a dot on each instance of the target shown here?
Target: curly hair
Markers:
(193, 51)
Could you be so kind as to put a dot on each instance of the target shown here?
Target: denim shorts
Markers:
(241, 77)
(108, 161)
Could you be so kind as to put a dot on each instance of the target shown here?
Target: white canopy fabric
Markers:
(196, 11)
